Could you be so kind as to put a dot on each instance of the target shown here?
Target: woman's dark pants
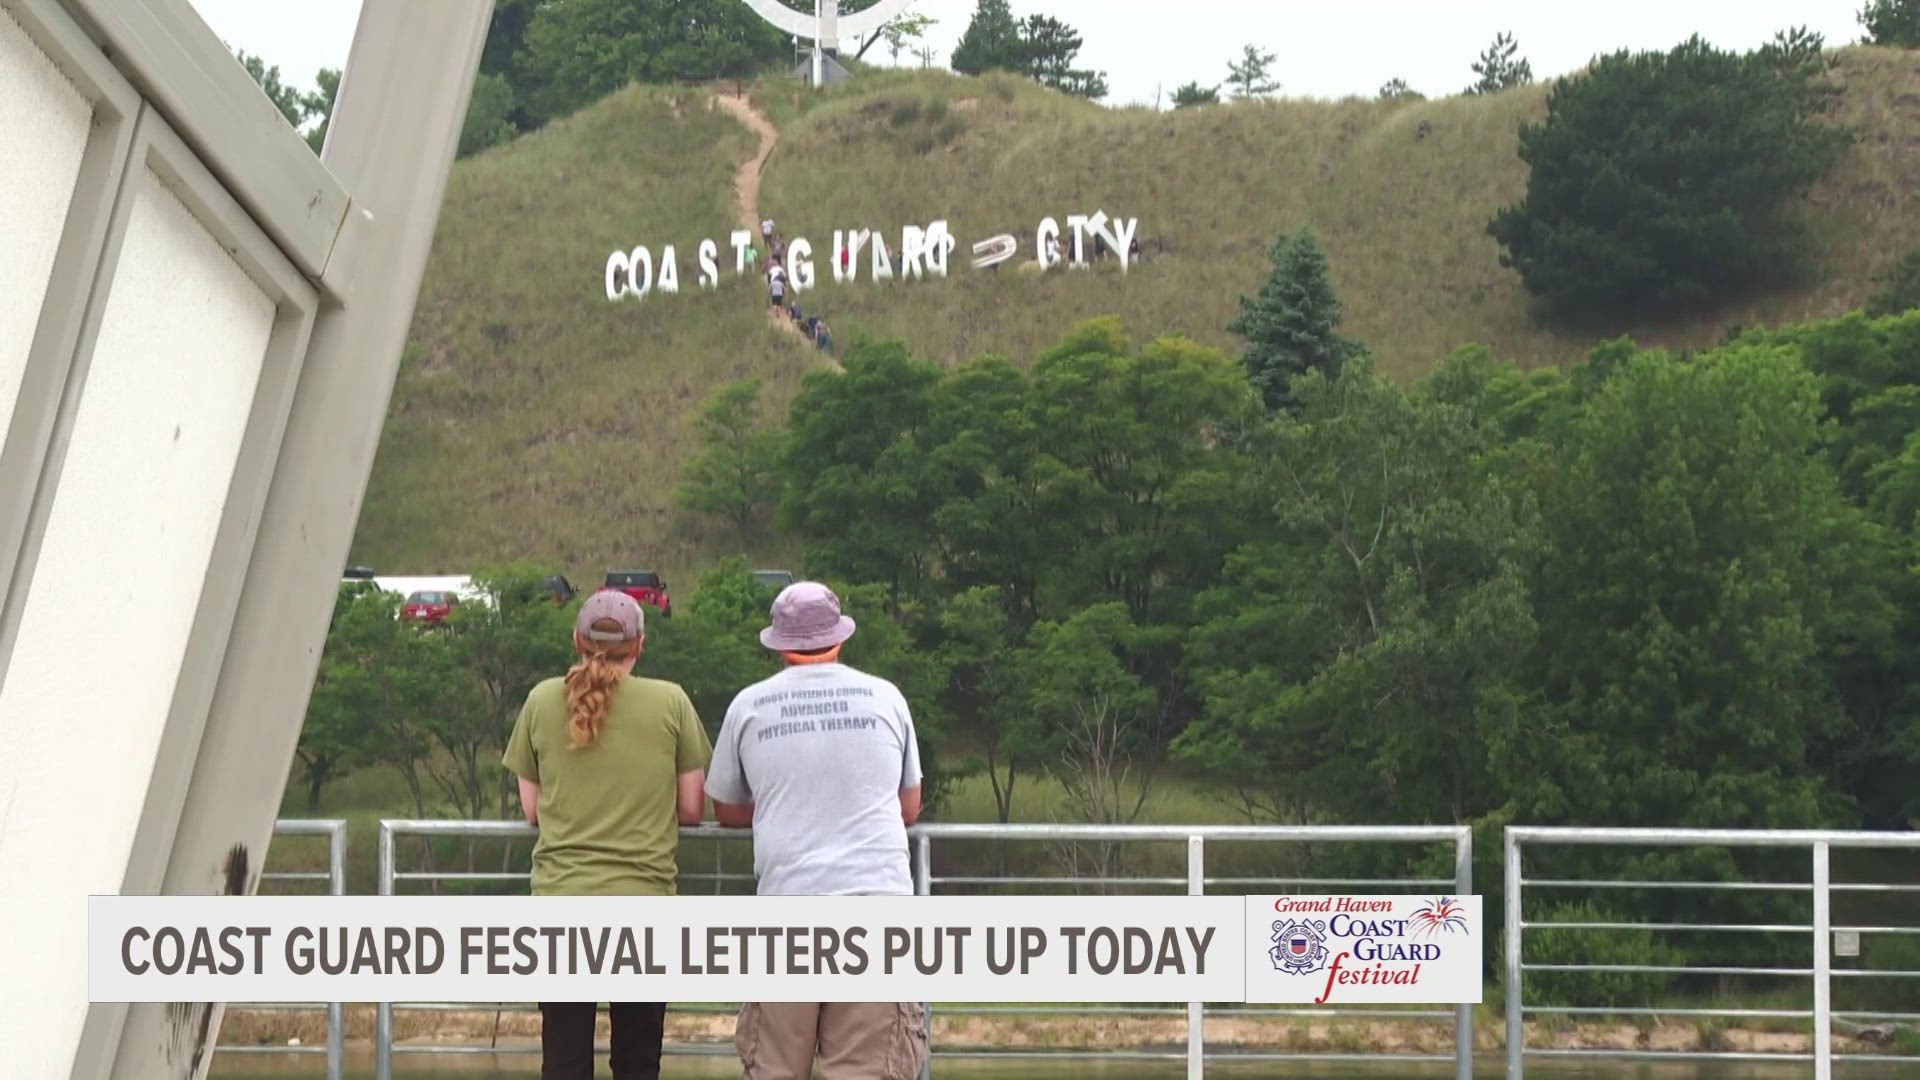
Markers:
(566, 1040)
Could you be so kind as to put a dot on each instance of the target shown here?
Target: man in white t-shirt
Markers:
(766, 229)
(821, 761)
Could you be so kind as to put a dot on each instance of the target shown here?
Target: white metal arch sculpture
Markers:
(825, 26)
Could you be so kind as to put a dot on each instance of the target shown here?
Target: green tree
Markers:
(712, 648)
(1501, 67)
(1292, 325)
(1899, 288)
(1662, 180)
(1869, 376)
(1396, 89)
(337, 735)
(854, 471)
(489, 115)
(901, 33)
(1131, 469)
(981, 445)
(1048, 50)
(735, 474)
(986, 667)
(399, 681)
(1700, 571)
(1106, 728)
(884, 645)
(1193, 94)
(1367, 655)
(291, 102)
(320, 104)
(990, 42)
(575, 53)
(508, 639)
(1251, 76)
(1039, 47)
(1892, 22)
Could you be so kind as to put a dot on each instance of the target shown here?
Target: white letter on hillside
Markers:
(856, 240)
(1125, 230)
(882, 259)
(1049, 230)
(669, 270)
(637, 286)
(994, 251)
(618, 263)
(1116, 242)
(940, 244)
(1078, 223)
(912, 244)
(709, 270)
(741, 240)
(839, 257)
(800, 264)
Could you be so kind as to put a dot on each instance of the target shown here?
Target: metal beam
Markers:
(186, 73)
(395, 129)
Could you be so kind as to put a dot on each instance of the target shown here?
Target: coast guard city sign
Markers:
(919, 252)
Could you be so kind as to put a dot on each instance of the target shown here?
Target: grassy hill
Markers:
(533, 419)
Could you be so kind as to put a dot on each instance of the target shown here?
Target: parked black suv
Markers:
(773, 579)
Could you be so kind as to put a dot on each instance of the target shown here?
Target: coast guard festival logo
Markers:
(1299, 948)
(1444, 915)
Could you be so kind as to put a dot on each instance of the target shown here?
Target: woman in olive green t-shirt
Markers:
(610, 767)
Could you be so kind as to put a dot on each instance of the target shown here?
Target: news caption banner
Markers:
(1321, 949)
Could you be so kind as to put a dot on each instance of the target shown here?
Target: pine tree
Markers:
(1252, 74)
(1398, 90)
(992, 40)
(1193, 95)
(1292, 326)
(1892, 22)
(1499, 69)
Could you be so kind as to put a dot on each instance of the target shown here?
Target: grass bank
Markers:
(533, 419)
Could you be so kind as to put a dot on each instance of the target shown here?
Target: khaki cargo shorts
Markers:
(869, 1040)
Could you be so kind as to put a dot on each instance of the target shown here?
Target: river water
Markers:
(526, 1067)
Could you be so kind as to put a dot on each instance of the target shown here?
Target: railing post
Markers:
(923, 886)
(1822, 965)
(1463, 1014)
(1516, 1016)
(1196, 1010)
(383, 1012)
(336, 1011)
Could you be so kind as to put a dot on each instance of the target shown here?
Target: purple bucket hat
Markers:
(806, 618)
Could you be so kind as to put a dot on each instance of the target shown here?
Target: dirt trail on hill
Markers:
(746, 181)
(746, 188)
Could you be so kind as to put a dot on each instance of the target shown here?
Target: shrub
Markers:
(1899, 288)
(1666, 180)
(1602, 988)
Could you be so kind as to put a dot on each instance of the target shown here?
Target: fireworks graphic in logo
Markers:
(1444, 914)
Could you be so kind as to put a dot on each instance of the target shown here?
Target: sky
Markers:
(1325, 48)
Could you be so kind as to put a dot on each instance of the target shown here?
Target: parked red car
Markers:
(428, 607)
(644, 586)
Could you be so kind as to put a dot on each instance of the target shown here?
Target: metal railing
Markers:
(1821, 930)
(1193, 839)
(335, 877)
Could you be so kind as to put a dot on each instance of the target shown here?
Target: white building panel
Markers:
(111, 605)
(44, 122)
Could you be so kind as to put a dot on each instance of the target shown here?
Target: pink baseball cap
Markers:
(614, 606)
